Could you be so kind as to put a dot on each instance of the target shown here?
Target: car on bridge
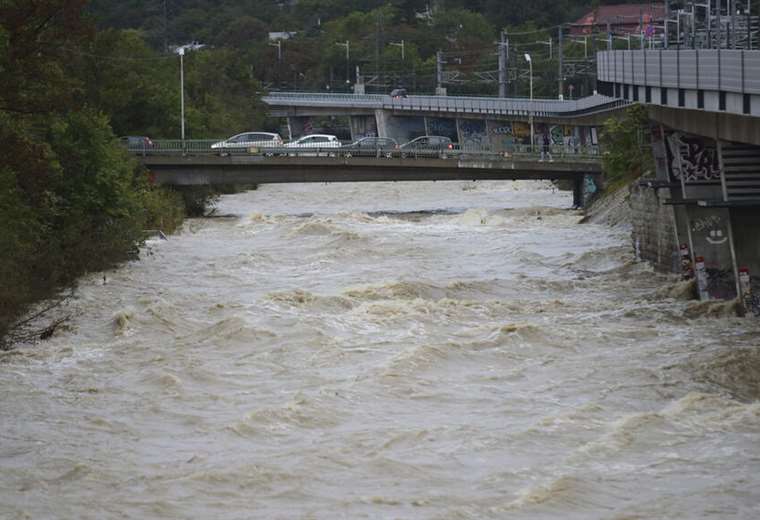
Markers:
(428, 146)
(315, 141)
(137, 143)
(250, 140)
(370, 146)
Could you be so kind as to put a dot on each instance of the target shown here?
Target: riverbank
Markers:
(34, 296)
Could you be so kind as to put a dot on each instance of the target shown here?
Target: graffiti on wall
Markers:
(709, 233)
(473, 132)
(444, 127)
(692, 158)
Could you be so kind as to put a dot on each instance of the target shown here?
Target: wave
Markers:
(300, 412)
(562, 490)
(605, 260)
(301, 298)
(713, 309)
(323, 227)
(417, 359)
(680, 290)
(736, 369)
(122, 321)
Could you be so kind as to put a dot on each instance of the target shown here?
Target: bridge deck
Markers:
(259, 169)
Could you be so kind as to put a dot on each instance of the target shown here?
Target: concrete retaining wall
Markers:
(653, 233)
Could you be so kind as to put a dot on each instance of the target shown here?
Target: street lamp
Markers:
(181, 52)
(530, 114)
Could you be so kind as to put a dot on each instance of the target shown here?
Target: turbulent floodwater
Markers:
(399, 351)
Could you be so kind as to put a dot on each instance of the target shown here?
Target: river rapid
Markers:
(447, 350)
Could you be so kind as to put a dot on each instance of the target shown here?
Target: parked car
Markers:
(370, 146)
(428, 145)
(398, 93)
(250, 140)
(137, 142)
(315, 141)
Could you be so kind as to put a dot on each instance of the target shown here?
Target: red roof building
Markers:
(622, 18)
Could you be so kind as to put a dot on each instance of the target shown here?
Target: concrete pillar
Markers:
(578, 184)
(362, 126)
(381, 123)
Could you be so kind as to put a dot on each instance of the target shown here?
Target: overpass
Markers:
(195, 163)
(494, 123)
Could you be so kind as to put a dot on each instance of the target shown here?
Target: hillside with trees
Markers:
(391, 42)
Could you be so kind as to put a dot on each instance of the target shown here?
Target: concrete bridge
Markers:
(494, 123)
(173, 166)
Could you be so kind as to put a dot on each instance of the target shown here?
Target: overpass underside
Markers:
(225, 170)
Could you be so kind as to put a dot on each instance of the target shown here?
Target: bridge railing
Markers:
(523, 107)
(465, 152)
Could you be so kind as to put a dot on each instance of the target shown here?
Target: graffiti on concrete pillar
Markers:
(709, 232)
(692, 158)
(589, 187)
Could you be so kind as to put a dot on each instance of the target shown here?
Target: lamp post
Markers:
(181, 52)
(530, 114)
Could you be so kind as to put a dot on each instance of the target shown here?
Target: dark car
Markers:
(370, 146)
(428, 145)
(398, 93)
(137, 143)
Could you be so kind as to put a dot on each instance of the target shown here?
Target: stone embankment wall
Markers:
(653, 236)
(653, 233)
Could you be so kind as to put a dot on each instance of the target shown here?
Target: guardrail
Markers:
(461, 152)
(453, 104)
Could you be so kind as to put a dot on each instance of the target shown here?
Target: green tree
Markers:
(627, 150)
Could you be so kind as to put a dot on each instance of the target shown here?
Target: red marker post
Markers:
(745, 288)
(702, 278)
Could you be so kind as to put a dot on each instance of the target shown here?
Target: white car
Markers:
(250, 140)
(315, 141)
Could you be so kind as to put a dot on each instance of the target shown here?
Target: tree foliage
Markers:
(71, 200)
(627, 150)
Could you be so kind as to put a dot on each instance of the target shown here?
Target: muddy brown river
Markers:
(385, 351)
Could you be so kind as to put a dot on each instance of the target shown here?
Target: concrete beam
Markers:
(204, 170)
(717, 125)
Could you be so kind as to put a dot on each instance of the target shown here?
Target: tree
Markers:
(627, 152)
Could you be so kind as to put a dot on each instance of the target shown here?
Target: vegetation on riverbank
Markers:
(627, 148)
(72, 200)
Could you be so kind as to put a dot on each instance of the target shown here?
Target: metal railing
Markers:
(451, 104)
(460, 152)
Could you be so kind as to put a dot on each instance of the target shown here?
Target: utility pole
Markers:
(560, 77)
(166, 36)
(278, 68)
(503, 65)
(439, 90)
(609, 36)
(347, 45)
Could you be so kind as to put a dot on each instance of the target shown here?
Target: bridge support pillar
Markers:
(584, 188)
(578, 185)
